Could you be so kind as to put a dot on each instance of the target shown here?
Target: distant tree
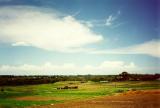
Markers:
(124, 75)
(2, 89)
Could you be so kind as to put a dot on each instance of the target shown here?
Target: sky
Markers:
(79, 37)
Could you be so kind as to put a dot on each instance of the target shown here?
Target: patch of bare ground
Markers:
(130, 99)
(39, 98)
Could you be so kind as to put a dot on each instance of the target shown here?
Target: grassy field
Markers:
(32, 95)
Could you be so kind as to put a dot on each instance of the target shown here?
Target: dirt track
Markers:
(131, 99)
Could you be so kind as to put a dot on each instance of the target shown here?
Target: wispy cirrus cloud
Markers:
(111, 18)
(45, 29)
(110, 21)
(151, 48)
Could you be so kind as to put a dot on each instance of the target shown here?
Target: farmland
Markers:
(48, 94)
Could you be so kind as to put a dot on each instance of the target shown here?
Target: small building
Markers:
(158, 79)
(103, 81)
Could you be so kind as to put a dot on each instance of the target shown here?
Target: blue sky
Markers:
(79, 36)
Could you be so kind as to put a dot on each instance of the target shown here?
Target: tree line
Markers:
(30, 80)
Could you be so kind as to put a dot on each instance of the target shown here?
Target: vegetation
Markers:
(22, 91)
(16, 96)
(31, 80)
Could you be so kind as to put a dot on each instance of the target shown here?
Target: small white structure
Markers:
(104, 81)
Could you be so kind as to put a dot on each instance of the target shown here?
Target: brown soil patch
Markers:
(141, 92)
(38, 98)
(131, 99)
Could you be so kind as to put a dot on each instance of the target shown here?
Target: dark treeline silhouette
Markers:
(29, 80)
(125, 76)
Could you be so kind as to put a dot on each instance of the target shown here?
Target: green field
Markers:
(11, 96)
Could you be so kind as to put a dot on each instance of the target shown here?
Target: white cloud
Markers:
(89, 24)
(106, 67)
(43, 28)
(151, 48)
(110, 20)
(50, 30)
(20, 44)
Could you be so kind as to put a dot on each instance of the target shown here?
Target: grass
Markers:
(85, 91)
(10, 103)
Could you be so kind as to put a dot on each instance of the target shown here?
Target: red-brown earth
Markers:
(130, 99)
